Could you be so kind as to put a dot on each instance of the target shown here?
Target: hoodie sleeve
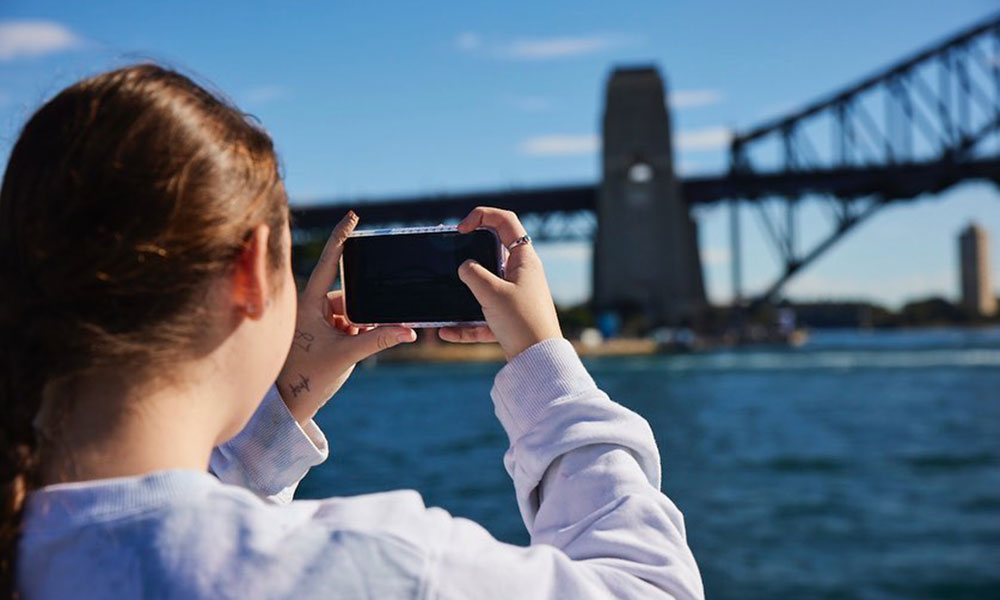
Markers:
(586, 473)
(272, 454)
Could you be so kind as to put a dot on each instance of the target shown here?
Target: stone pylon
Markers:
(646, 252)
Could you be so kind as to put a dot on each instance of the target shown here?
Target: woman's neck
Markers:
(106, 426)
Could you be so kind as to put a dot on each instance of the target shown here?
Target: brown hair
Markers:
(125, 196)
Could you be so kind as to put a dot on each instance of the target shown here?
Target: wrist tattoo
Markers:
(301, 386)
(303, 339)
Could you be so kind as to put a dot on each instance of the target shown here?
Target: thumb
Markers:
(365, 344)
(483, 284)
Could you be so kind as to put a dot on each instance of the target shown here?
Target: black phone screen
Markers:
(413, 277)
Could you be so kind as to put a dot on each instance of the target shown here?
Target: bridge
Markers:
(915, 127)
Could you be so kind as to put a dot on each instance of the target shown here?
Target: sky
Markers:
(379, 99)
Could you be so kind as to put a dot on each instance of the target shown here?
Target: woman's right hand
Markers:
(519, 310)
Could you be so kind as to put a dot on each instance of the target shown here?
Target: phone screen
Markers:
(413, 277)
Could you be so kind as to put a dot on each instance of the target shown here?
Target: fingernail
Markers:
(405, 338)
(352, 215)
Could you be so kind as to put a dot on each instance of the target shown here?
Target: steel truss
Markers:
(918, 126)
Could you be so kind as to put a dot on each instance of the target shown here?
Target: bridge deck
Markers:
(889, 182)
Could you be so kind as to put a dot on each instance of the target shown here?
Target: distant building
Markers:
(974, 261)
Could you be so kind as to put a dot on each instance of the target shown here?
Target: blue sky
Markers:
(376, 99)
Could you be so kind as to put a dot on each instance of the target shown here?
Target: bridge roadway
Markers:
(887, 182)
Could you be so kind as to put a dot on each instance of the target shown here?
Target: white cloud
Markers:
(694, 98)
(695, 140)
(469, 41)
(562, 47)
(708, 138)
(20, 39)
(545, 48)
(264, 94)
(531, 103)
(560, 145)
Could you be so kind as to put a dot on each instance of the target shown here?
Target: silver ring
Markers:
(524, 239)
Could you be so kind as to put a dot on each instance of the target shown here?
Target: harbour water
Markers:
(862, 465)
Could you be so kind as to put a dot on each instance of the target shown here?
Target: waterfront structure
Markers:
(974, 264)
(875, 159)
(646, 248)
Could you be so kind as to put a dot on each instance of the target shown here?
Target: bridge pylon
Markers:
(646, 247)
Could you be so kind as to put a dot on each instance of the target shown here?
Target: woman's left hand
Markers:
(326, 346)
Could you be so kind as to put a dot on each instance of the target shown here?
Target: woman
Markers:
(148, 305)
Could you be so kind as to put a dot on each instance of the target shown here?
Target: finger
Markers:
(476, 334)
(485, 286)
(326, 267)
(365, 344)
(504, 222)
(467, 335)
(336, 302)
(340, 324)
(343, 325)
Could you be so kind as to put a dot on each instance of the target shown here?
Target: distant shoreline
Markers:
(443, 352)
(435, 352)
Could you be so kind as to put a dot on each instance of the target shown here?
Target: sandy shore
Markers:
(440, 352)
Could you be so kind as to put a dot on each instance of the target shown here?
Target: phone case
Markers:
(501, 257)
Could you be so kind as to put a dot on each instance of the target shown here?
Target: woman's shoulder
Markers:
(183, 502)
(188, 529)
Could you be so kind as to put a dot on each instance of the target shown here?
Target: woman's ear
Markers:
(252, 276)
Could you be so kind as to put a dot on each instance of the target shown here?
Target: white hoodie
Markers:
(586, 472)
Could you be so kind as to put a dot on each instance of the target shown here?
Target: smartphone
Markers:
(409, 276)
